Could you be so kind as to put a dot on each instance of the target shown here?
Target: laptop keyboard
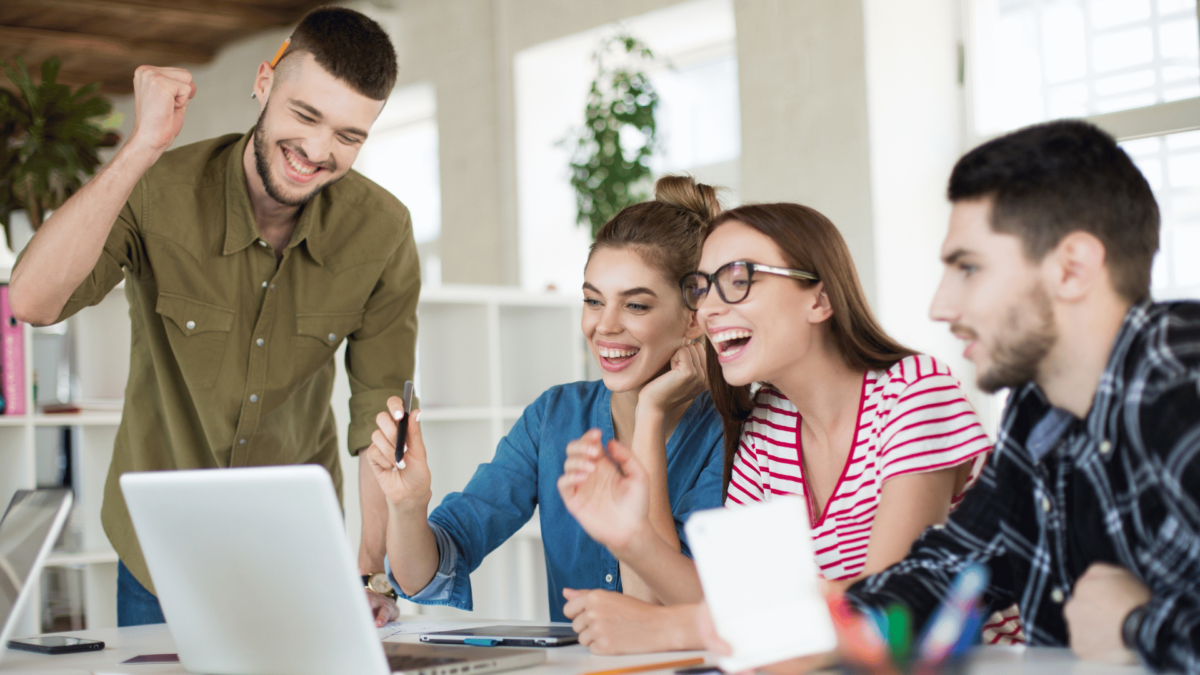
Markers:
(399, 662)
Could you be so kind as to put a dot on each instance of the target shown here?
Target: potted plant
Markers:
(49, 137)
(610, 168)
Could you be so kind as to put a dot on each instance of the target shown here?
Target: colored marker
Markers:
(899, 634)
(950, 623)
(862, 642)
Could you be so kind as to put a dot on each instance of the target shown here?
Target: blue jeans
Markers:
(136, 606)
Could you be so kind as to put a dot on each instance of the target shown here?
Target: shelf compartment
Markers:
(452, 356)
(72, 558)
(79, 419)
(533, 354)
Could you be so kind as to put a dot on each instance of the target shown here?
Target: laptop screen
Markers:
(23, 531)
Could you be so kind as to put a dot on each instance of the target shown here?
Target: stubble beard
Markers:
(1016, 361)
(262, 164)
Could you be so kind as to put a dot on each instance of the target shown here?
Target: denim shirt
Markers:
(502, 495)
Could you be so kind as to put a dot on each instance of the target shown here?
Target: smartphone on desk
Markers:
(55, 644)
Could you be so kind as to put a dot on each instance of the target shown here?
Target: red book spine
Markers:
(12, 357)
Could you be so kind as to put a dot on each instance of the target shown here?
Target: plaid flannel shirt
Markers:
(1058, 494)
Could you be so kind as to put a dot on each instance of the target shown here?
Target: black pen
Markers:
(402, 424)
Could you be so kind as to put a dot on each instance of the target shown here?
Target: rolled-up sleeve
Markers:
(123, 250)
(440, 589)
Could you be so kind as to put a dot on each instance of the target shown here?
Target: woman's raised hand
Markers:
(608, 495)
(686, 379)
(406, 488)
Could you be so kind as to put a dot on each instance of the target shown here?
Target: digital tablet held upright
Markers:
(507, 636)
(27, 533)
(771, 538)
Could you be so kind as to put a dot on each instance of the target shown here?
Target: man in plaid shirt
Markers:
(1088, 512)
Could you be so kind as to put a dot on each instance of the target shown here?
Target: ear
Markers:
(821, 309)
(263, 81)
(694, 331)
(1076, 267)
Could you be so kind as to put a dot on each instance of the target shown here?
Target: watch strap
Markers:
(1132, 626)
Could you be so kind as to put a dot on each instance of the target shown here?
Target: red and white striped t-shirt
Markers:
(912, 418)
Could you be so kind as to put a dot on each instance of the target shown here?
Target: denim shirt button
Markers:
(608, 578)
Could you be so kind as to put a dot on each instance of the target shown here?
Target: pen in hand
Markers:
(402, 423)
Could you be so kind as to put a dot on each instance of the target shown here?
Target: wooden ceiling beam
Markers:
(214, 14)
(58, 42)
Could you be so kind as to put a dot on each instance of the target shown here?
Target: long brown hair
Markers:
(809, 242)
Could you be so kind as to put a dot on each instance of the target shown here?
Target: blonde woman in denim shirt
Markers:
(652, 396)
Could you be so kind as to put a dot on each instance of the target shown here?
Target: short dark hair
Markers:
(348, 45)
(1052, 179)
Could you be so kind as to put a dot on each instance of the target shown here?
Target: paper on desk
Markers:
(761, 582)
(417, 626)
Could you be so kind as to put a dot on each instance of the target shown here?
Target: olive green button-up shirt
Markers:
(232, 356)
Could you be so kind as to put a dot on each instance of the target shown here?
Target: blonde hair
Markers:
(668, 231)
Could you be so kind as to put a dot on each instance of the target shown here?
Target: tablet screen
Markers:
(23, 531)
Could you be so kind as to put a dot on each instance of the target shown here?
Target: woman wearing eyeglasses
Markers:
(817, 401)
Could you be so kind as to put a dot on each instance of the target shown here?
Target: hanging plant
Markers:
(610, 168)
(51, 136)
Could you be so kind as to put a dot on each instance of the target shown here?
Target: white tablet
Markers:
(761, 582)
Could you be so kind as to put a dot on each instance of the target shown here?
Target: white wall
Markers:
(917, 127)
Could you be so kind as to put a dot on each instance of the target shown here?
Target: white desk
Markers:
(125, 643)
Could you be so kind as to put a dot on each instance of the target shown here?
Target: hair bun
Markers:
(685, 193)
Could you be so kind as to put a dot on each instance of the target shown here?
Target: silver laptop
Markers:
(28, 531)
(256, 577)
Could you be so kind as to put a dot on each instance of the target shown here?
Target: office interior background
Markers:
(858, 108)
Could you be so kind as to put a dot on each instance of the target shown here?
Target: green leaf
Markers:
(607, 177)
(48, 138)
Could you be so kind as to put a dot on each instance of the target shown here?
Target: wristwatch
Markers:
(378, 582)
(1132, 625)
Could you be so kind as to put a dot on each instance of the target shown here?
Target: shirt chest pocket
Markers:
(197, 333)
(318, 337)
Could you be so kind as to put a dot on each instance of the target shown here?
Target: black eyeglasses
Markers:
(732, 281)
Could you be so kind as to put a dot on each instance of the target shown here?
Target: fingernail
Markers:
(400, 464)
(417, 417)
(398, 415)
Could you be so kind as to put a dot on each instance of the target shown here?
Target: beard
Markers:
(1018, 354)
(262, 163)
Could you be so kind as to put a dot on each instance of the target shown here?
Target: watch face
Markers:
(379, 583)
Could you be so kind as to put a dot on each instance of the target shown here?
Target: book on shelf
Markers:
(84, 405)
(12, 358)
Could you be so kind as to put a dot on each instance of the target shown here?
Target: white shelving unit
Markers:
(483, 354)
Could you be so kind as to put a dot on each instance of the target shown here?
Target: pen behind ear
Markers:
(275, 61)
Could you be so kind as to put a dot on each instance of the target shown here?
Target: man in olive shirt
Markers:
(248, 260)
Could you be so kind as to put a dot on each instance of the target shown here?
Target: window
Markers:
(401, 155)
(699, 124)
(1130, 66)
(1036, 60)
(1171, 165)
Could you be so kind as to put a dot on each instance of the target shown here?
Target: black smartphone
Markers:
(402, 430)
(55, 644)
